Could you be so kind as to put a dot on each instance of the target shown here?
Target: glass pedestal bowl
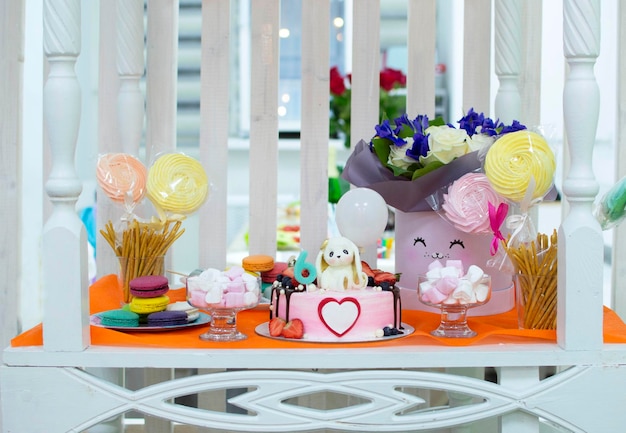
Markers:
(453, 296)
(223, 300)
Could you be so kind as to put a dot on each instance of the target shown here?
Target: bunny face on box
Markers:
(421, 237)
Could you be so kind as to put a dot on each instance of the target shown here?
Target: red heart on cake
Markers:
(339, 316)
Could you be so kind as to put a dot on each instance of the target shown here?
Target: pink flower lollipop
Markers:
(122, 177)
(466, 205)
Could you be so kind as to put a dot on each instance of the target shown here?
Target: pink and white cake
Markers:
(353, 315)
(347, 301)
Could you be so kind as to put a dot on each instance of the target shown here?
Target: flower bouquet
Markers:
(410, 160)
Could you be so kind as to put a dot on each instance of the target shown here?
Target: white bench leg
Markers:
(518, 378)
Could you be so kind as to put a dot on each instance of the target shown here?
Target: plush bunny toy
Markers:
(339, 266)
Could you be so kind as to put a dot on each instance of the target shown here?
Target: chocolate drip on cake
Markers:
(277, 289)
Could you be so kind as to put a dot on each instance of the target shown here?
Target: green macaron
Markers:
(120, 317)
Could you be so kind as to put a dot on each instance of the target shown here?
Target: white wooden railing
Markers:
(30, 372)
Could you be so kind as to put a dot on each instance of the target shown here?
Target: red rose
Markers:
(337, 82)
(390, 77)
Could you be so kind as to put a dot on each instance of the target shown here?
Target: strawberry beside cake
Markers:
(348, 301)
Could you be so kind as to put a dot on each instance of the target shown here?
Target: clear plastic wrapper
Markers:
(465, 203)
(177, 185)
(521, 166)
(122, 178)
(611, 209)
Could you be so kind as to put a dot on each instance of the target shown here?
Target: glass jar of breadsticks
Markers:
(141, 249)
(520, 166)
(175, 184)
(536, 282)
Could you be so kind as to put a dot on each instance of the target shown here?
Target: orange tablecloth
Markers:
(499, 328)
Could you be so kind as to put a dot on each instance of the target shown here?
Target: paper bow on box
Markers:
(363, 169)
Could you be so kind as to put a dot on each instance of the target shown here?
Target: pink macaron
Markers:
(149, 286)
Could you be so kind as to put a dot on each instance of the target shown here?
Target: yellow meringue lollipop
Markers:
(516, 160)
(177, 183)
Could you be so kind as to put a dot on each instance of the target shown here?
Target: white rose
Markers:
(398, 156)
(445, 144)
(480, 141)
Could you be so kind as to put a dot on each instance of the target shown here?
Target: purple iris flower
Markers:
(470, 121)
(420, 138)
(384, 131)
(489, 127)
(421, 124)
(515, 126)
(420, 146)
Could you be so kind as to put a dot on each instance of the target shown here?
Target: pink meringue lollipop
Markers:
(466, 205)
(122, 177)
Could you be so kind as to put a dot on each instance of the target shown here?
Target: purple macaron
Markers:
(149, 286)
(167, 318)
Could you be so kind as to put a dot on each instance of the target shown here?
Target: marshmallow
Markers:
(455, 264)
(474, 274)
(210, 274)
(250, 298)
(213, 296)
(450, 271)
(435, 265)
(233, 272)
(446, 285)
(233, 300)
(434, 273)
(482, 292)
(464, 292)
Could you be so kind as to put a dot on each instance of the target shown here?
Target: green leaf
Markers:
(425, 170)
(381, 148)
(397, 171)
(406, 131)
(437, 122)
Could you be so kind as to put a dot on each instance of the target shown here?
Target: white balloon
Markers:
(361, 216)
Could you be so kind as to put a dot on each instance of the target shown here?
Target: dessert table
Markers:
(499, 330)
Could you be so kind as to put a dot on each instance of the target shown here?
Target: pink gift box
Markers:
(422, 237)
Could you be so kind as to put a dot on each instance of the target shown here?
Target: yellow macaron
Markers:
(149, 305)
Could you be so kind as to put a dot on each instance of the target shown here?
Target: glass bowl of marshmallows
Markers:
(223, 294)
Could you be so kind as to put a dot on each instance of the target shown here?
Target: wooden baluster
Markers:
(365, 69)
(161, 76)
(265, 16)
(508, 53)
(618, 282)
(420, 77)
(314, 130)
(364, 113)
(108, 131)
(130, 67)
(476, 62)
(530, 78)
(581, 247)
(66, 297)
(11, 79)
(214, 109)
